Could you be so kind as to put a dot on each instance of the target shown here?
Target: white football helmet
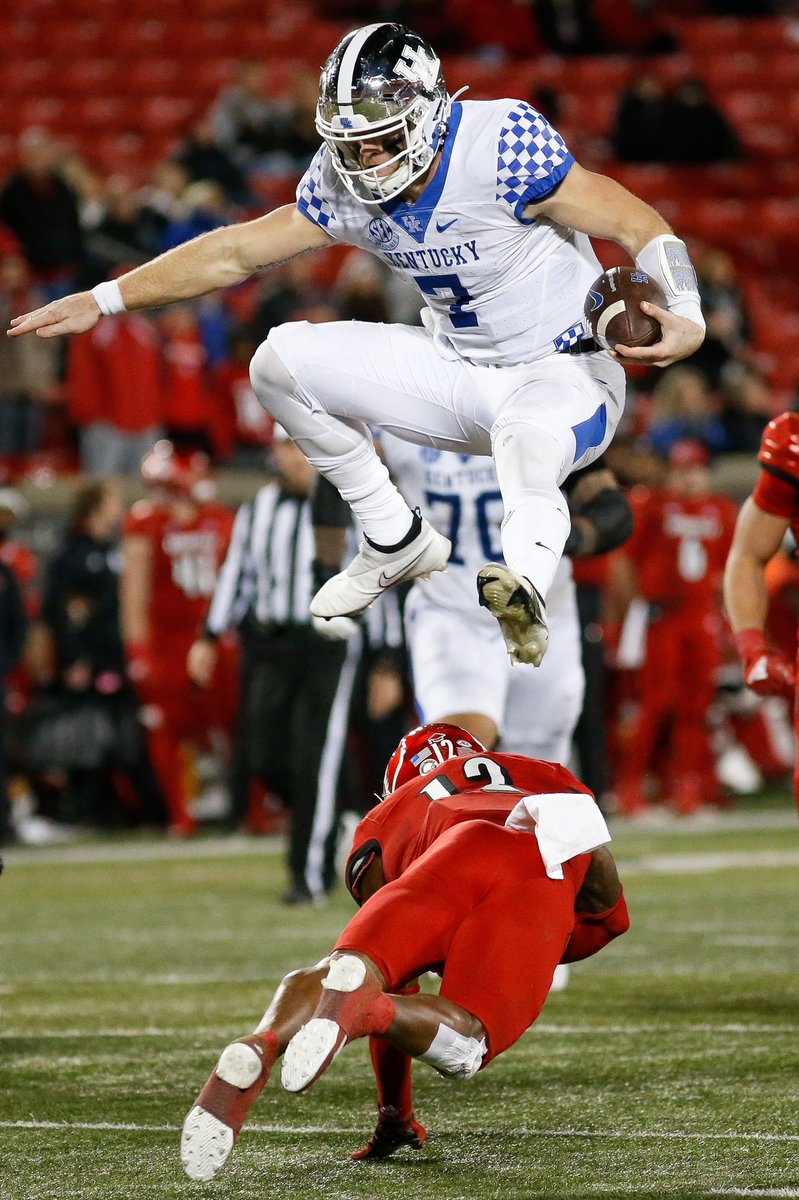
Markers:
(382, 83)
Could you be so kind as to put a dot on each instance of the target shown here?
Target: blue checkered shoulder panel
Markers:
(533, 158)
(310, 200)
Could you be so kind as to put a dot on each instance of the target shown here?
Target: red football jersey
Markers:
(679, 546)
(186, 561)
(476, 787)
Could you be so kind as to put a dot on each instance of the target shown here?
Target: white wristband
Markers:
(109, 298)
(666, 259)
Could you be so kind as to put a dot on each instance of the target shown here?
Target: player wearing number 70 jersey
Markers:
(481, 206)
(461, 671)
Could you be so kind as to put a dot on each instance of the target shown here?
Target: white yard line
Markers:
(236, 846)
(594, 1134)
(661, 1029)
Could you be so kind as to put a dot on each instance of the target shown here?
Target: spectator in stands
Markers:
(203, 157)
(41, 210)
(190, 398)
(120, 238)
(12, 639)
(247, 121)
(724, 306)
(204, 208)
(684, 408)
(360, 290)
(28, 374)
(569, 26)
(748, 408)
(160, 201)
(640, 130)
(116, 393)
(698, 129)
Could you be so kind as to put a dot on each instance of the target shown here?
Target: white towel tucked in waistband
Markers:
(565, 823)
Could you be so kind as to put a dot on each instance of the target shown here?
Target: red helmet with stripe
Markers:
(424, 749)
(779, 447)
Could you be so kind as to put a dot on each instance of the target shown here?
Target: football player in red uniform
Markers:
(764, 520)
(476, 858)
(174, 543)
(674, 562)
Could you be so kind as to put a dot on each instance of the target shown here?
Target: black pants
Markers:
(297, 692)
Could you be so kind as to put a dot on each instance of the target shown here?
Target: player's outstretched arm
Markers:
(758, 537)
(601, 207)
(212, 261)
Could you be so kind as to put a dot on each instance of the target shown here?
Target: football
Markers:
(613, 312)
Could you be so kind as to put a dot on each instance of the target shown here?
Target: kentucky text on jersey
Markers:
(425, 260)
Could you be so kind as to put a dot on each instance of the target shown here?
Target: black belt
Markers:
(584, 346)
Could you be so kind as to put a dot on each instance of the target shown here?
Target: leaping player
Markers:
(481, 206)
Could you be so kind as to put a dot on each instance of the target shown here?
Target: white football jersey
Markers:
(500, 289)
(459, 494)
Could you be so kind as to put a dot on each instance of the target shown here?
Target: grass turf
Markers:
(667, 1069)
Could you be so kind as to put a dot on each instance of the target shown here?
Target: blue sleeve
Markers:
(533, 159)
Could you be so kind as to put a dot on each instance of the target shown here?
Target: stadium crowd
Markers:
(110, 720)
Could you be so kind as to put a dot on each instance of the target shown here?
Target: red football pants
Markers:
(480, 903)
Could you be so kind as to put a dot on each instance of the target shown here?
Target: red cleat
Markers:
(352, 1006)
(221, 1108)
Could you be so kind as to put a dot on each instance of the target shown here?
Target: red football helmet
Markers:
(424, 749)
(779, 447)
(164, 467)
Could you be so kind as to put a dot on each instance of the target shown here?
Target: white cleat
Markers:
(212, 1126)
(519, 609)
(372, 572)
(205, 1144)
(310, 1052)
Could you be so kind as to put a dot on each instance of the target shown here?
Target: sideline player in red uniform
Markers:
(675, 560)
(477, 857)
(764, 520)
(174, 544)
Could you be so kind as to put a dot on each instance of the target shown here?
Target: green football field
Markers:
(668, 1068)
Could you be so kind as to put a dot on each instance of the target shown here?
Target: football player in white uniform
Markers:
(461, 673)
(480, 205)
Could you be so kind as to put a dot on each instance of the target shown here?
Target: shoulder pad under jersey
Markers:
(779, 448)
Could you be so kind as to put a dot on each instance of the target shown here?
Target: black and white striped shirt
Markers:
(267, 571)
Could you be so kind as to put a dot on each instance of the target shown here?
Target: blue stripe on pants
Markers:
(591, 432)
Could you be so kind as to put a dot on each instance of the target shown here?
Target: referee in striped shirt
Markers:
(296, 684)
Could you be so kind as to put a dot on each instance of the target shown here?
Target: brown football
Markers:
(613, 312)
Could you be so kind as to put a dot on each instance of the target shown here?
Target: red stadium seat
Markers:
(23, 76)
(103, 113)
(164, 115)
(90, 76)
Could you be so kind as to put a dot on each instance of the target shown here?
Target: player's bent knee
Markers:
(526, 456)
(455, 1055)
(269, 375)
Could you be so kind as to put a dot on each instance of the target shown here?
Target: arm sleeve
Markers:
(593, 931)
(533, 160)
(777, 493)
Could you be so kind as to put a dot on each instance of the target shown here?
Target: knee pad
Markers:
(526, 458)
(453, 1055)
